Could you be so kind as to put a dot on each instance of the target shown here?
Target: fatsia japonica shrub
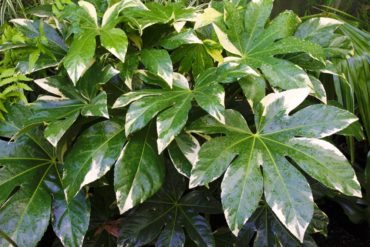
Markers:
(145, 121)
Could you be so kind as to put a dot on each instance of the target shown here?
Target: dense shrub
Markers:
(133, 124)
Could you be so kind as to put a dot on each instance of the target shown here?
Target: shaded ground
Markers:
(341, 231)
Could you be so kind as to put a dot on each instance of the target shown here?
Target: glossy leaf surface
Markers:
(139, 171)
(246, 33)
(94, 152)
(275, 139)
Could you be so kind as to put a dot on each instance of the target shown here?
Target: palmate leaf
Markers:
(175, 14)
(168, 215)
(26, 204)
(172, 105)
(269, 231)
(243, 153)
(246, 36)
(24, 217)
(60, 113)
(81, 53)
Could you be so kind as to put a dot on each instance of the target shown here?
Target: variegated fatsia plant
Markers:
(146, 119)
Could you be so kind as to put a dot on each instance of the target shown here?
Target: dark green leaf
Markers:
(25, 203)
(70, 220)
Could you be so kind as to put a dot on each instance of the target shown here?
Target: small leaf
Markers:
(184, 153)
(97, 107)
(225, 41)
(174, 41)
(115, 41)
(55, 130)
(80, 55)
(159, 63)
(211, 98)
(170, 122)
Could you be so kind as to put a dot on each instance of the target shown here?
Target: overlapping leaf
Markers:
(139, 171)
(175, 14)
(81, 53)
(183, 153)
(270, 232)
(26, 166)
(249, 40)
(243, 154)
(93, 154)
(172, 105)
(60, 113)
(168, 215)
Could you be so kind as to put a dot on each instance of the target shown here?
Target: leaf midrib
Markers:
(291, 201)
(247, 171)
(24, 172)
(30, 201)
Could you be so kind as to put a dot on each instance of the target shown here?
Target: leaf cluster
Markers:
(147, 120)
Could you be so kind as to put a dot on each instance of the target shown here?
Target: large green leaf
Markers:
(173, 105)
(278, 135)
(139, 171)
(251, 39)
(93, 154)
(25, 202)
(166, 215)
(28, 180)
